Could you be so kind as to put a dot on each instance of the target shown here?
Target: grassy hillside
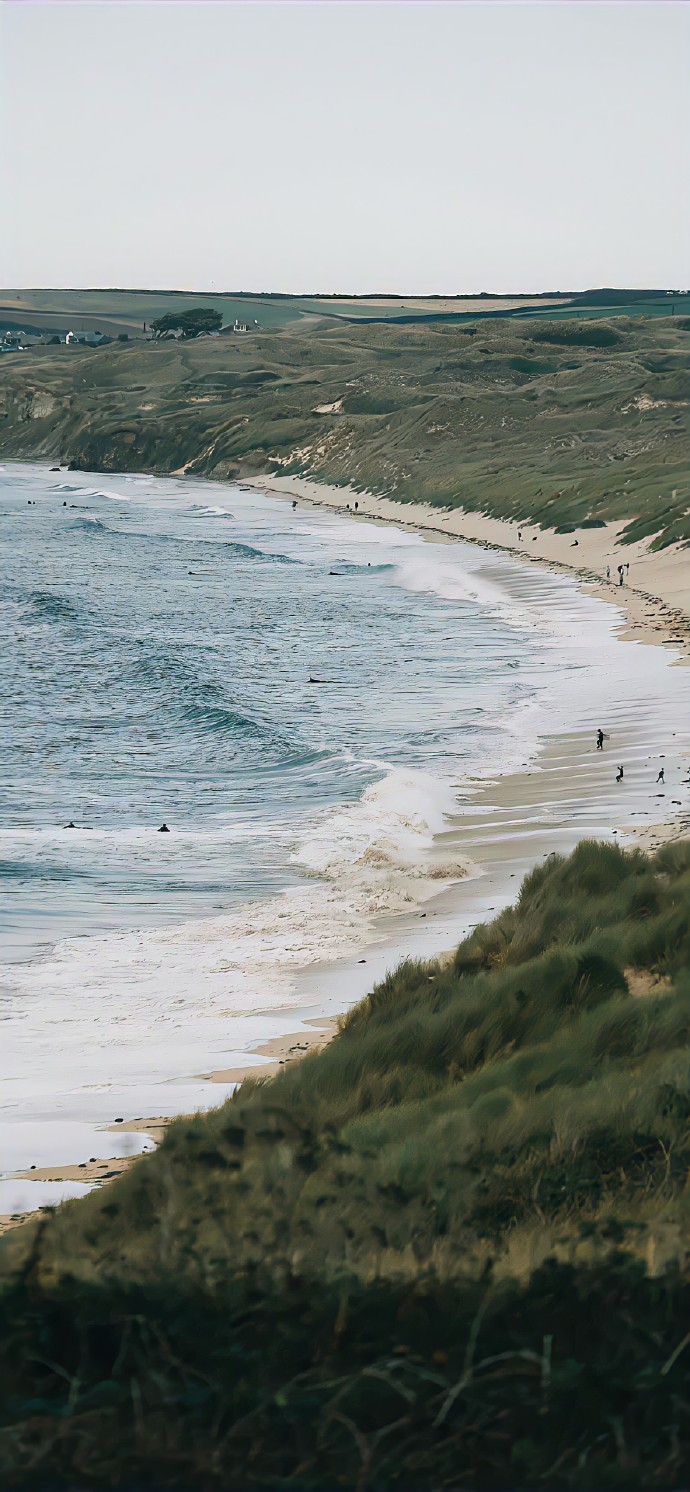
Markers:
(113, 311)
(445, 1251)
(553, 421)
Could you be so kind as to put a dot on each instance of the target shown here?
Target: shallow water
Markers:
(162, 634)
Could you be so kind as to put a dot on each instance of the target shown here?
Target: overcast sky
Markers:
(345, 147)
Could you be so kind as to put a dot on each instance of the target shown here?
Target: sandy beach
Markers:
(655, 595)
(503, 825)
(270, 1057)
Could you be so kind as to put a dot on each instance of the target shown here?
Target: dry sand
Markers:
(507, 817)
(655, 596)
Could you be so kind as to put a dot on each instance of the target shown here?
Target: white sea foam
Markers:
(124, 1022)
(17, 1195)
(142, 1005)
(391, 826)
(450, 580)
(210, 512)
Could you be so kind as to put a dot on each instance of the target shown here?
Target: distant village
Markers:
(17, 340)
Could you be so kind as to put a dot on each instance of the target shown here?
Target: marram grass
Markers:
(447, 1251)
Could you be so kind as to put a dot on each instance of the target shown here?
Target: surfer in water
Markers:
(163, 829)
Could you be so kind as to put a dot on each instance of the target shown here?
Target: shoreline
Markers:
(661, 604)
(499, 814)
(280, 1052)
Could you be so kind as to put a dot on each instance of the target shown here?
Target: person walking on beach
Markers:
(600, 739)
(660, 778)
(608, 572)
(620, 775)
(620, 574)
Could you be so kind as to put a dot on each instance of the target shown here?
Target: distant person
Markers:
(619, 778)
(70, 825)
(627, 567)
(608, 572)
(621, 576)
(64, 504)
(356, 507)
(600, 740)
(519, 536)
(294, 504)
(660, 778)
(164, 829)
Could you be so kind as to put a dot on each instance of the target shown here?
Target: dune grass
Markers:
(447, 1250)
(551, 421)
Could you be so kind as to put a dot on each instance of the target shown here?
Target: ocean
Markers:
(304, 698)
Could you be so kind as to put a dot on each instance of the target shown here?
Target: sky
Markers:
(345, 147)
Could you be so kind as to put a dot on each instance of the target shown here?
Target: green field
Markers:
(447, 1251)
(116, 311)
(554, 421)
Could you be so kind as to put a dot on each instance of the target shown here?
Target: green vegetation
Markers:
(112, 311)
(189, 323)
(444, 1252)
(554, 421)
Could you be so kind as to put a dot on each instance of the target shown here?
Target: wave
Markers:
(91, 525)
(208, 512)
(53, 607)
(349, 567)
(216, 717)
(27, 870)
(391, 827)
(247, 551)
(189, 987)
(449, 581)
(203, 706)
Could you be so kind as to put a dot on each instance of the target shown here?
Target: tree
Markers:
(189, 323)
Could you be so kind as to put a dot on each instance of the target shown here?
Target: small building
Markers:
(86, 339)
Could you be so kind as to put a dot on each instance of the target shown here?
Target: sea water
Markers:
(302, 697)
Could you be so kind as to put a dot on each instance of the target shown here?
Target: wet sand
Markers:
(504, 825)
(655, 595)
(269, 1058)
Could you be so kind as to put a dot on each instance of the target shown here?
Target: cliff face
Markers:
(541, 422)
